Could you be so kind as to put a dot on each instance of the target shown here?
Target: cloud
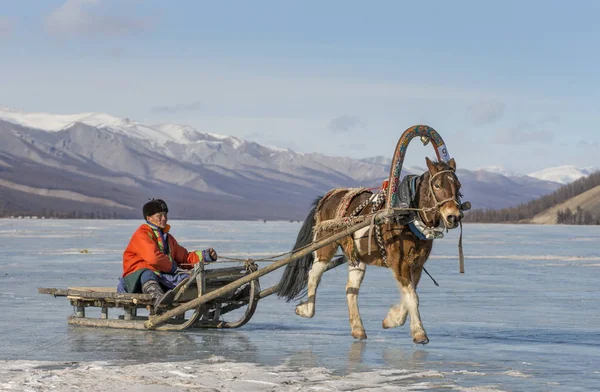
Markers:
(523, 135)
(6, 26)
(345, 123)
(486, 112)
(88, 17)
(177, 108)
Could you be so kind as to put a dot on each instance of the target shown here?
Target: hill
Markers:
(577, 202)
(586, 202)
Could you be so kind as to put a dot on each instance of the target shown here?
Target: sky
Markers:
(507, 83)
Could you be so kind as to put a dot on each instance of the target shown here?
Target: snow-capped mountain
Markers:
(563, 174)
(161, 133)
(498, 169)
(93, 160)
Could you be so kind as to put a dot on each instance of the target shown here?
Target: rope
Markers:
(225, 259)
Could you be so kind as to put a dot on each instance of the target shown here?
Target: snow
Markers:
(161, 133)
(497, 169)
(213, 374)
(563, 174)
(43, 121)
(235, 142)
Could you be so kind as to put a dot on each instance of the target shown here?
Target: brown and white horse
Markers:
(437, 198)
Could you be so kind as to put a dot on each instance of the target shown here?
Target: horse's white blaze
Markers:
(307, 309)
(358, 235)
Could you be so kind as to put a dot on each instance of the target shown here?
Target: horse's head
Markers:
(444, 192)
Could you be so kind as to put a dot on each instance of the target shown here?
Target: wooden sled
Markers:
(200, 282)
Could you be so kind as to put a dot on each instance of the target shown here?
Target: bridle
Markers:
(432, 192)
(438, 203)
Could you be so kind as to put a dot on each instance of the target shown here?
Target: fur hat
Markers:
(154, 206)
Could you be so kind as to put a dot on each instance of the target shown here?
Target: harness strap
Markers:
(461, 256)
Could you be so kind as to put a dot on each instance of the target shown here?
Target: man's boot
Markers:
(153, 288)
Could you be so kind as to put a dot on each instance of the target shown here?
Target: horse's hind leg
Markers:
(355, 278)
(321, 258)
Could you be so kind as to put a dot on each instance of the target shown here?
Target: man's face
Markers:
(159, 219)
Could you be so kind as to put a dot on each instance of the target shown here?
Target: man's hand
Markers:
(209, 255)
(213, 254)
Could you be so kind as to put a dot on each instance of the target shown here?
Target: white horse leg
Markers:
(397, 314)
(307, 309)
(411, 301)
(355, 278)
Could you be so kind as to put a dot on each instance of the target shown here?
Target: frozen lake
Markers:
(524, 317)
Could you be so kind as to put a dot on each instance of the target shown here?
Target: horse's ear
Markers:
(452, 164)
(430, 166)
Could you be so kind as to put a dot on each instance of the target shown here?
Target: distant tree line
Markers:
(49, 214)
(579, 217)
(526, 211)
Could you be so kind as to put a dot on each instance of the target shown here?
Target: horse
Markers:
(401, 247)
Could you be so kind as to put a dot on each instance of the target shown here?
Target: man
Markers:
(153, 257)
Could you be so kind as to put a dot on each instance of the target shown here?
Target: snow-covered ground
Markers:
(214, 374)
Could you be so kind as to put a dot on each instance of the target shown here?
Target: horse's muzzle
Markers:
(452, 221)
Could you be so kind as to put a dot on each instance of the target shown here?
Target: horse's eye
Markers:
(437, 186)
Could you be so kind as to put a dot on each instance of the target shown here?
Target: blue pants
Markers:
(166, 281)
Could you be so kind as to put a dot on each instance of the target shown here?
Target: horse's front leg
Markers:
(409, 305)
(410, 299)
(307, 309)
(396, 315)
(355, 278)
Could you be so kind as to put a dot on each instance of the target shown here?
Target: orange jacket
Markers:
(143, 252)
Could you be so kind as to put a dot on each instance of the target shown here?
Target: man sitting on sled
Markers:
(153, 257)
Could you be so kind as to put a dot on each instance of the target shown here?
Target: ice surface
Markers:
(524, 317)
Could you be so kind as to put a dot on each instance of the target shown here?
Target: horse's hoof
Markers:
(387, 324)
(360, 334)
(421, 339)
(301, 311)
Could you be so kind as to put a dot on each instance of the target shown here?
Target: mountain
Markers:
(94, 163)
(563, 174)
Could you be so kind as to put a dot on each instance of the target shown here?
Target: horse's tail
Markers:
(295, 276)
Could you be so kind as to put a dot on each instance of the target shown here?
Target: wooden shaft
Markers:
(331, 265)
(158, 320)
